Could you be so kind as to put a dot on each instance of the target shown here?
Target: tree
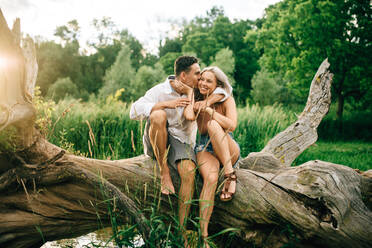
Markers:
(167, 61)
(57, 61)
(61, 88)
(170, 46)
(225, 60)
(136, 49)
(120, 75)
(203, 45)
(297, 34)
(204, 36)
(265, 88)
(68, 33)
(49, 58)
(145, 78)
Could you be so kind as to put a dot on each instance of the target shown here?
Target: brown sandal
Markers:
(228, 179)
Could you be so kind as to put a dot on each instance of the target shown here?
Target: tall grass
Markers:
(257, 125)
(104, 131)
(97, 130)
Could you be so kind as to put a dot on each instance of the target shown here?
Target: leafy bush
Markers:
(61, 88)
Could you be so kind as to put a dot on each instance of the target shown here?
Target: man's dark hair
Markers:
(183, 63)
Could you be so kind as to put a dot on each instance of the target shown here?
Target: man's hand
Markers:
(181, 87)
(180, 102)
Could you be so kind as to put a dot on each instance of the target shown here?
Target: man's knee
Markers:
(211, 178)
(158, 118)
(187, 170)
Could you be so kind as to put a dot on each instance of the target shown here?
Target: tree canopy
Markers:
(296, 35)
(286, 45)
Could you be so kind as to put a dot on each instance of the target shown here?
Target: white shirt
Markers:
(178, 126)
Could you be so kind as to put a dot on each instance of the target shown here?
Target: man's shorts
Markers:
(177, 150)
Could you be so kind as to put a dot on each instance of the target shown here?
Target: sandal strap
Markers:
(230, 177)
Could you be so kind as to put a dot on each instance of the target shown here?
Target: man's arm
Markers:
(141, 108)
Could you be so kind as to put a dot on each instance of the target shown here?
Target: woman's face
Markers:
(207, 83)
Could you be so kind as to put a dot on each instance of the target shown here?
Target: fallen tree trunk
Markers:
(47, 194)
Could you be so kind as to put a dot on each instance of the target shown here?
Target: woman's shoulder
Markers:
(229, 100)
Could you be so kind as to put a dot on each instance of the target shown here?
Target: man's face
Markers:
(192, 77)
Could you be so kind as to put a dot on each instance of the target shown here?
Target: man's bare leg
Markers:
(159, 137)
(186, 170)
(209, 167)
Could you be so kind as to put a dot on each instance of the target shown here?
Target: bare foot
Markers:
(167, 187)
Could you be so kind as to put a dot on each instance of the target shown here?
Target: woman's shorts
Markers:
(203, 142)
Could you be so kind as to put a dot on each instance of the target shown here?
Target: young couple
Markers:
(189, 101)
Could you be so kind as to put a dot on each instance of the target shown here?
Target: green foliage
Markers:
(8, 139)
(50, 61)
(94, 66)
(297, 35)
(257, 125)
(170, 46)
(68, 33)
(225, 60)
(61, 88)
(97, 129)
(265, 89)
(145, 78)
(353, 154)
(203, 44)
(168, 62)
(120, 75)
(44, 110)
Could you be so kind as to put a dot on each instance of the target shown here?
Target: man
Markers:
(163, 107)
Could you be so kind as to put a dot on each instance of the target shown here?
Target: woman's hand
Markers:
(210, 111)
(200, 106)
(181, 87)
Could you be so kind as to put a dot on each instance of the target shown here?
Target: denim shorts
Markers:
(203, 142)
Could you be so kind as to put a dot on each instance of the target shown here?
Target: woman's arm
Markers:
(228, 121)
(188, 112)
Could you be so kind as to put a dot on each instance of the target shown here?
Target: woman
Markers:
(215, 145)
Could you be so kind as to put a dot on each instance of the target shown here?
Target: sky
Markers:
(147, 20)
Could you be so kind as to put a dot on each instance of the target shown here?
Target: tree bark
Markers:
(47, 194)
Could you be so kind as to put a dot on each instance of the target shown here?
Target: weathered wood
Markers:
(289, 144)
(46, 194)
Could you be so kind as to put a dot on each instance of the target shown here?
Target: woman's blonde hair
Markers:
(222, 79)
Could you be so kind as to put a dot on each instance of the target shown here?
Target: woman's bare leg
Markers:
(209, 168)
(226, 150)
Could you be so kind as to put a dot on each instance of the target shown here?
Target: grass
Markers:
(357, 155)
(104, 131)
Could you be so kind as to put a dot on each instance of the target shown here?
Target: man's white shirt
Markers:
(180, 128)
